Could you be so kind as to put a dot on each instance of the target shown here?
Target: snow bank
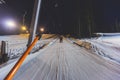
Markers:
(83, 43)
(106, 51)
(107, 46)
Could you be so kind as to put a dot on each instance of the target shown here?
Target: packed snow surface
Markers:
(64, 61)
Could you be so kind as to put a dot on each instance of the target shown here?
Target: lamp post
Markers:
(24, 18)
(23, 27)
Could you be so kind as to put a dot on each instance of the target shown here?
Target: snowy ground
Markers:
(64, 61)
(112, 38)
(107, 46)
(16, 44)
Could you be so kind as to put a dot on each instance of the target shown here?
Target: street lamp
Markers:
(42, 30)
(24, 17)
(27, 31)
(10, 23)
(24, 28)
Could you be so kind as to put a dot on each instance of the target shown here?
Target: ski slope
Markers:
(65, 61)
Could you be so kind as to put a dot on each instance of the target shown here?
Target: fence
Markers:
(17, 48)
(14, 52)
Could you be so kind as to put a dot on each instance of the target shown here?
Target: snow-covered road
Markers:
(66, 61)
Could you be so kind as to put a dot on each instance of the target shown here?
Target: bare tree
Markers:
(2, 2)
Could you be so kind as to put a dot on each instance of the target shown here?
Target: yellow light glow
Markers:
(42, 29)
(24, 28)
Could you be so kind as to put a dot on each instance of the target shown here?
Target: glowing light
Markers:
(27, 31)
(41, 29)
(24, 28)
(10, 23)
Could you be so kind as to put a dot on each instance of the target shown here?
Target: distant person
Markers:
(61, 39)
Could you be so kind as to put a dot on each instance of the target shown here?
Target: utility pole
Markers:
(34, 22)
(24, 18)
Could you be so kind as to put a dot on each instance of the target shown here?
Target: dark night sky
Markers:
(65, 16)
